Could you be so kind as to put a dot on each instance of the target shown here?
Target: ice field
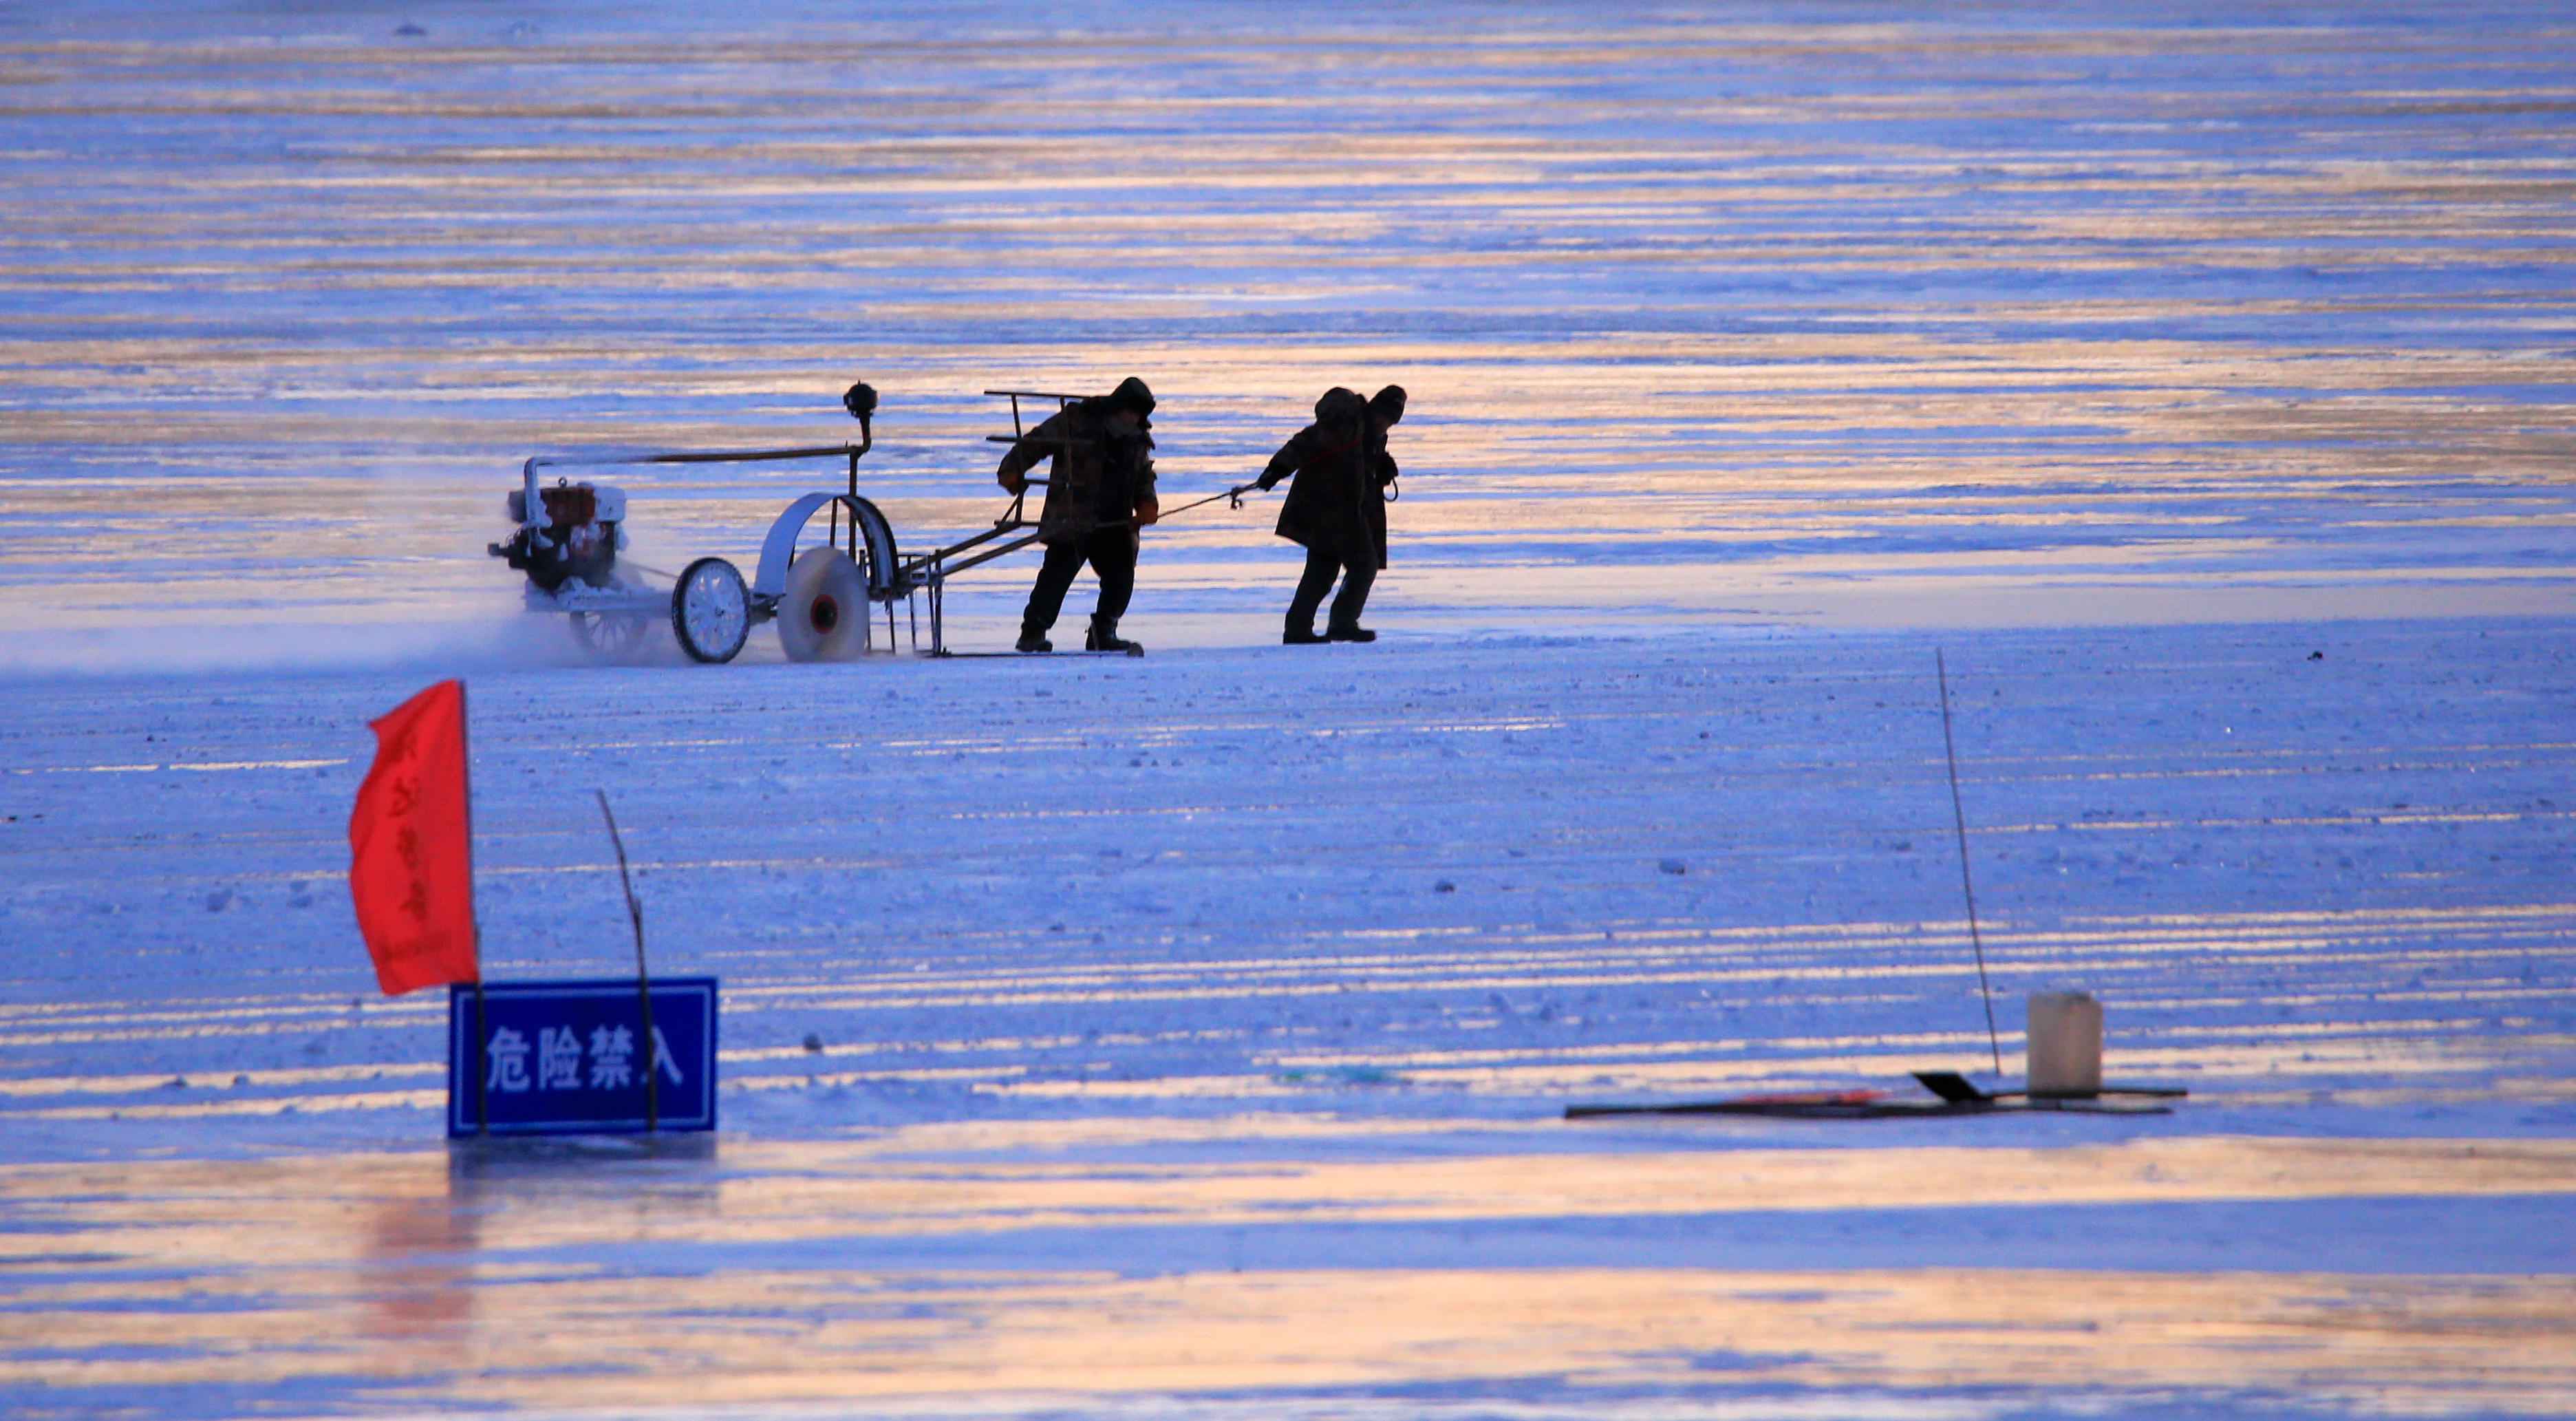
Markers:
(1201, 1024)
(1190, 1035)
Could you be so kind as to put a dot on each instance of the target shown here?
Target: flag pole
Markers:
(1959, 821)
(643, 981)
(474, 918)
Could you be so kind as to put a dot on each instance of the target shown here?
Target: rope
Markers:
(1235, 494)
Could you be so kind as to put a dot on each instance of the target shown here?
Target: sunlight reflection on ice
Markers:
(508, 1269)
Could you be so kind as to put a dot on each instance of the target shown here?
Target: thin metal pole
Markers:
(482, 1088)
(474, 918)
(1959, 821)
(643, 983)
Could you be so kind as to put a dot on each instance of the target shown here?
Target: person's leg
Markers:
(1046, 599)
(1113, 558)
(1321, 567)
(1357, 577)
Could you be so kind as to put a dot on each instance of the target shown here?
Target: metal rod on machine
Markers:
(950, 569)
(920, 569)
(726, 456)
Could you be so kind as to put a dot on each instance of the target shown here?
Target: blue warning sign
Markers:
(564, 1058)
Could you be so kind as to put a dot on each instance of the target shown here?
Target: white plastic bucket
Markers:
(2065, 1030)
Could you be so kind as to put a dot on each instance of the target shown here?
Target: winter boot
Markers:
(1103, 636)
(1301, 635)
(1033, 639)
(1354, 632)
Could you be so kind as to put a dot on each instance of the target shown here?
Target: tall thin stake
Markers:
(482, 1028)
(1959, 821)
(652, 1045)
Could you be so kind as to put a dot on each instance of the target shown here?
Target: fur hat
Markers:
(1131, 394)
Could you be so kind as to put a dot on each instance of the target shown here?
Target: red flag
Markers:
(411, 865)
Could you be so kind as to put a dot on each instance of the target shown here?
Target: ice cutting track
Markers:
(1196, 1026)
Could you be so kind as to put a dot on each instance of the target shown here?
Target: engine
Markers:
(575, 538)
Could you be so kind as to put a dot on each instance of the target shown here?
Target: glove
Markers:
(1148, 510)
(1013, 483)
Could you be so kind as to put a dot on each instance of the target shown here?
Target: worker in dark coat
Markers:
(1336, 508)
(1100, 490)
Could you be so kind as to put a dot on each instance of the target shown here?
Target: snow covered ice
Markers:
(1190, 1035)
(1080, 1045)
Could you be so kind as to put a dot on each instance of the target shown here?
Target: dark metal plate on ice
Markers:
(1958, 1096)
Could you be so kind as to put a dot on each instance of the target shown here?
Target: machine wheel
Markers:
(711, 610)
(824, 614)
(611, 636)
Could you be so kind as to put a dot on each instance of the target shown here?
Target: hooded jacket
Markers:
(1101, 474)
(1339, 464)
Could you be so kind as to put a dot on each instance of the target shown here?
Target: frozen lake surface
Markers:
(1189, 1036)
(1199, 1027)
